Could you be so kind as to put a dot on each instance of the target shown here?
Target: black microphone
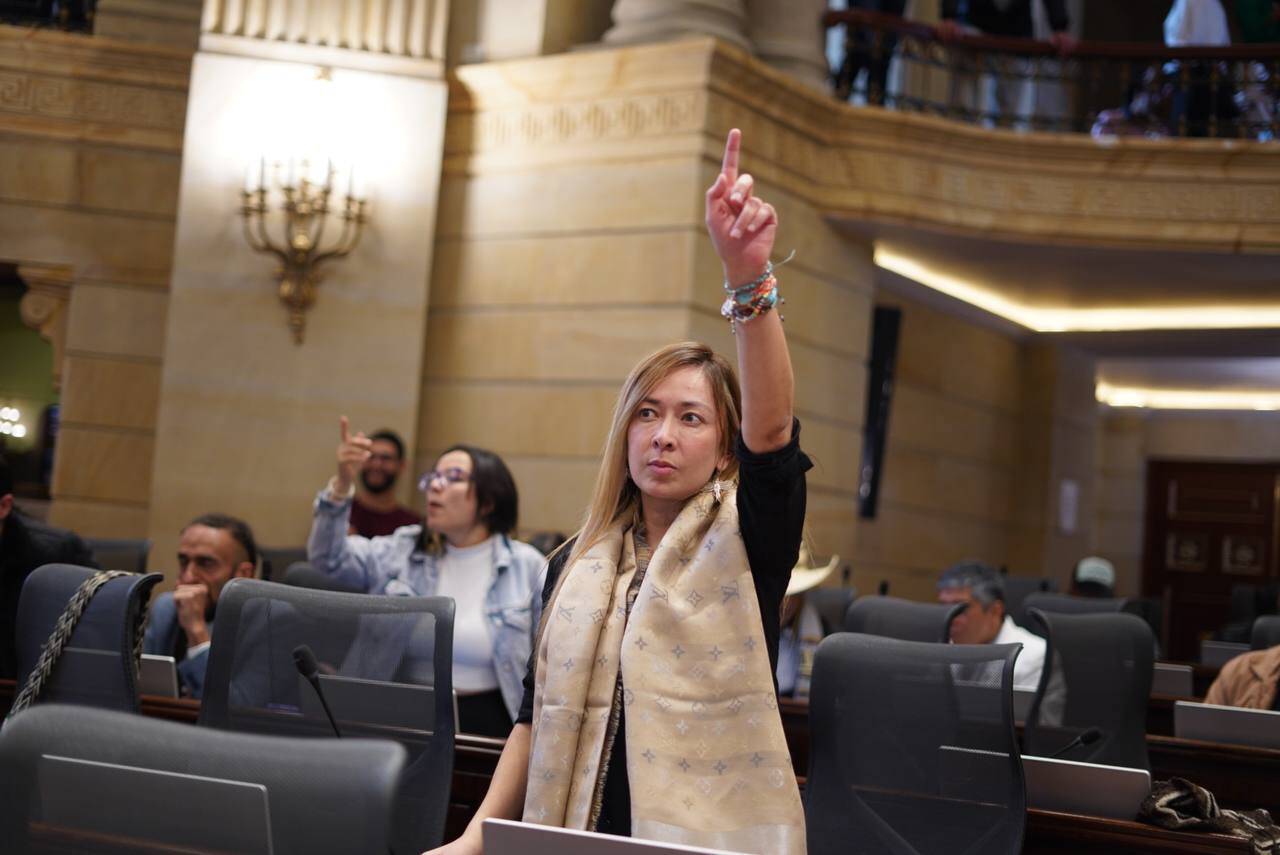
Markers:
(1087, 737)
(305, 661)
(884, 587)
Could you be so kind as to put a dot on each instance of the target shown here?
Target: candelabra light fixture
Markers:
(302, 198)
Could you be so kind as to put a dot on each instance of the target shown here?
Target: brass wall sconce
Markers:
(305, 206)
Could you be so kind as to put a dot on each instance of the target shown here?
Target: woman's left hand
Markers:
(741, 225)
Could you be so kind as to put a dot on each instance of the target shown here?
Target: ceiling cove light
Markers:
(1047, 320)
(1186, 399)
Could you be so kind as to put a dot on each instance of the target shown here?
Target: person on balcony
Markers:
(1003, 96)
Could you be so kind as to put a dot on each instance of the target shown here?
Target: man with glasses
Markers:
(374, 510)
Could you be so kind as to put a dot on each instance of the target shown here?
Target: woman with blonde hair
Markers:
(650, 705)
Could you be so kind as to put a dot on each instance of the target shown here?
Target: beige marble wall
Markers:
(90, 145)
(247, 418)
(951, 459)
(1057, 455)
(1131, 438)
(571, 244)
(175, 23)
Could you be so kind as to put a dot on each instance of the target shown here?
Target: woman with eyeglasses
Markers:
(650, 706)
(465, 552)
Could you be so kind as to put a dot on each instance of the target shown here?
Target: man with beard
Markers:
(212, 550)
(375, 511)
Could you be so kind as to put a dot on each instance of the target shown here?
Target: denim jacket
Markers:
(392, 564)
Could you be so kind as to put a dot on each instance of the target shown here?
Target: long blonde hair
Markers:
(616, 496)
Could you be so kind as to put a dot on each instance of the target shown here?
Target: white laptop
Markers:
(1218, 653)
(1235, 725)
(1066, 786)
(1170, 679)
(158, 675)
(168, 808)
(1091, 789)
(505, 837)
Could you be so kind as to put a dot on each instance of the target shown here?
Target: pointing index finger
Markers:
(731, 147)
(344, 428)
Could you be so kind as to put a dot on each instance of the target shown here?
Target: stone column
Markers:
(788, 34)
(247, 418)
(637, 21)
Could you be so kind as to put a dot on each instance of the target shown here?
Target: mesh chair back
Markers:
(1106, 662)
(277, 559)
(906, 620)
(386, 669)
(97, 667)
(127, 555)
(331, 797)
(302, 575)
(832, 604)
(913, 750)
(1266, 632)
(1065, 604)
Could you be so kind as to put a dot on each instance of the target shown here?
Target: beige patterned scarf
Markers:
(706, 756)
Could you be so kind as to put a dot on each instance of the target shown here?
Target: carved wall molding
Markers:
(860, 164)
(44, 308)
(113, 91)
(406, 28)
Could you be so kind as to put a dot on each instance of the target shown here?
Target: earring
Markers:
(716, 490)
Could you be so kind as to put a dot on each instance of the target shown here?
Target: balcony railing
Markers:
(71, 15)
(1098, 87)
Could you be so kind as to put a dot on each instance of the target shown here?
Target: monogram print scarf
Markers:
(706, 757)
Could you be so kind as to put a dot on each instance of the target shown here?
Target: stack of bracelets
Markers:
(752, 300)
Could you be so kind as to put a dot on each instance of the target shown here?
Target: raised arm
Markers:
(742, 229)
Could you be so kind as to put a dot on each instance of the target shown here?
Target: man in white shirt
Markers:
(981, 588)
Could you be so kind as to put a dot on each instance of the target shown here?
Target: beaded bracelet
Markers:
(743, 306)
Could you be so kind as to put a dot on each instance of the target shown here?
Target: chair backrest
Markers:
(1065, 604)
(277, 559)
(302, 575)
(1106, 661)
(332, 797)
(906, 620)
(1018, 588)
(386, 669)
(832, 604)
(1266, 632)
(97, 666)
(127, 555)
(913, 749)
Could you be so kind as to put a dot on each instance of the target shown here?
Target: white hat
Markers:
(805, 576)
(1100, 571)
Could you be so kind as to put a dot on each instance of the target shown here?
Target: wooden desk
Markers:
(1212, 765)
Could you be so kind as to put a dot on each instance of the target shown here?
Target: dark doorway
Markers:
(1210, 527)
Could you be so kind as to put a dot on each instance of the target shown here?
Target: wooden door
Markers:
(1209, 526)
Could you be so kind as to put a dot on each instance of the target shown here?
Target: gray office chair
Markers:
(385, 667)
(127, 555)
(98, 666)
(1065, 604)
(277, 559)
(906, 620)
(832, 604)
(913, 749)
(1106, 662)
(1018, 588)
(1266, 632)
(301, 574)
(146, 783)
